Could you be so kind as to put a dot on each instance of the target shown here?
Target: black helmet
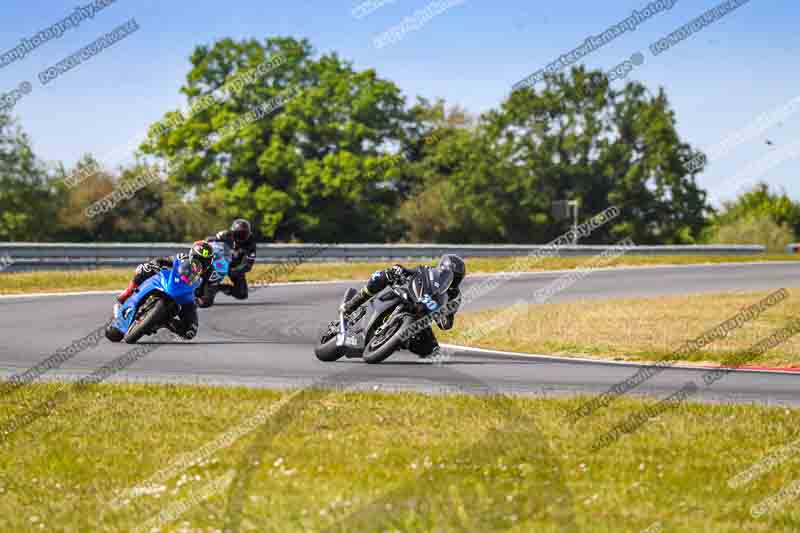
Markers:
(241, 230)
(456, 265)
(202, 254)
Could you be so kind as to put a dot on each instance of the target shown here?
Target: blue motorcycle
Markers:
(221, 264)
(156, 302)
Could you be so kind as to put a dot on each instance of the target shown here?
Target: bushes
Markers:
(757, 216)
(761, 200)
(754, 229)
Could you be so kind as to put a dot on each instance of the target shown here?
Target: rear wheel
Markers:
(387, 339)
(326, 349)
(153, 313)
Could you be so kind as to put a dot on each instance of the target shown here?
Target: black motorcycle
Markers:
(389, 321)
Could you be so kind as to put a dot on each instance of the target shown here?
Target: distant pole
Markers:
(575, 204)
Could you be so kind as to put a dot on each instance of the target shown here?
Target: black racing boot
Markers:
(355, 302)
(225, 288)
(434, 354)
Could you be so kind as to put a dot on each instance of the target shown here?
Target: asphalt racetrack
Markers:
(267, 340)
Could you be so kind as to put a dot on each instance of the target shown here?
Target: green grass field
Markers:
(117, 279)
(634, 329)
(357, 461)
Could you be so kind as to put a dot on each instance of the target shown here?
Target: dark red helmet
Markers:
(240, 229)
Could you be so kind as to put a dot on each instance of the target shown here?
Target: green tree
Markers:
(27, 202)
(438, 144)
(577, 138)
(319, 167)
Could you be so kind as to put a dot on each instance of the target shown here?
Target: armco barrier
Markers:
(67, 256)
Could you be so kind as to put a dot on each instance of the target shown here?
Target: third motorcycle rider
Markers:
(424, 343)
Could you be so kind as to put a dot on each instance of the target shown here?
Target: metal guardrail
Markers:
(66, 256)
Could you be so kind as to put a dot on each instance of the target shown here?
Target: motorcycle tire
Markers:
(326, 349)
(379, 348)
(149, 322)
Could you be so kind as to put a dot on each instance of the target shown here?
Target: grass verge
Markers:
(116, 279)
(635, 329)
(356, 461)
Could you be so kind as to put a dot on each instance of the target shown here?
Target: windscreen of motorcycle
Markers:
(221, 250)
(190, 272)
(430, 286)
(221, 261)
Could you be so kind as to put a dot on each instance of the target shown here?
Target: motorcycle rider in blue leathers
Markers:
(200, 256)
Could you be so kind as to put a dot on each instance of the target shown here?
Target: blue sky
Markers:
(718, 80)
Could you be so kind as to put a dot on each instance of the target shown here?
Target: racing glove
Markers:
(397, 274)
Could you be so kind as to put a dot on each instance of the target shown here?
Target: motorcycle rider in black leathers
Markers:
(240, 240)
(186, 323)
(424, 343)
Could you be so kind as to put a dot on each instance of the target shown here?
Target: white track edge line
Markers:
(473, 276)
(632, 364)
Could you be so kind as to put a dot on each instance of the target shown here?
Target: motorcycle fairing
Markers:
(167, 282)
(354, 334)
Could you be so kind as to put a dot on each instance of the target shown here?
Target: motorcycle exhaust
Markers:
(342, 331)
(340, 337)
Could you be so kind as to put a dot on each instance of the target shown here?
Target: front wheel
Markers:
(153, 313)
(387, 341)
(326, 349)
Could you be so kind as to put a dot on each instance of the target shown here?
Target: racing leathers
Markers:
(242, 261)
(423, 343)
